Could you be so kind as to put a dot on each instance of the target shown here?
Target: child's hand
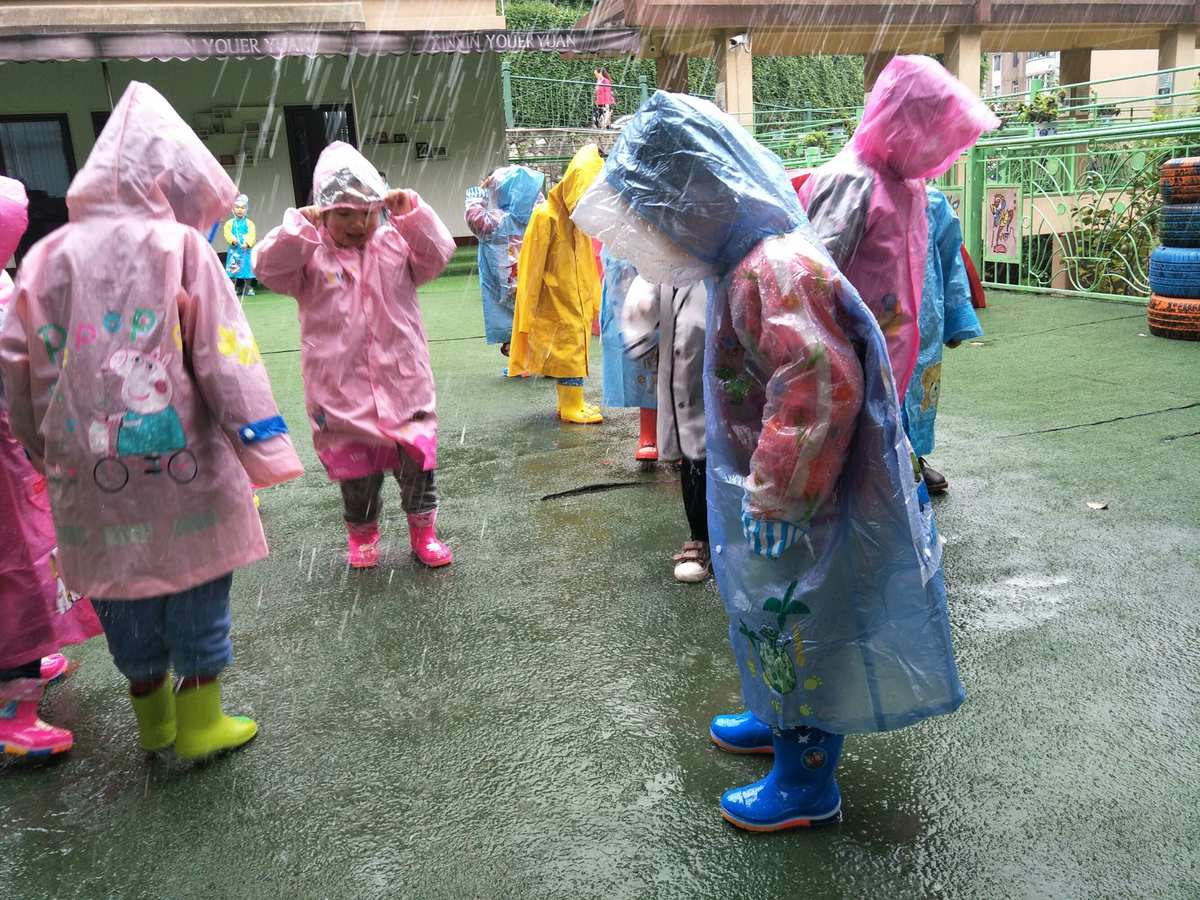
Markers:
(312, 213)
(399, 203)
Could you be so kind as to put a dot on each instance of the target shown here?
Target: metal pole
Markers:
(107, 83)
(506, 83)
(358, 119)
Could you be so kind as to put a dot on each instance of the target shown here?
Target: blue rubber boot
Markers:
(742, 732)
(799, 792)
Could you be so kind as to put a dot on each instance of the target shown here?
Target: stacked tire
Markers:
(1174, 309)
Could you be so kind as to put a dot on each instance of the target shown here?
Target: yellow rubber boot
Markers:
(572, 408)
(203, 729)
(156, 717)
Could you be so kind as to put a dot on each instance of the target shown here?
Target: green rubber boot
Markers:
(156, 717)
(203, 728)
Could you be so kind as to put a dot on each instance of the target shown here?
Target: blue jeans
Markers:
(188, 632)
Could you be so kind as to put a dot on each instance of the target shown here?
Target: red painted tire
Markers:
(1179, 180)
(1174, 317)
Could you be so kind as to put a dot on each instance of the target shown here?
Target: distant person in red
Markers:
(603, 109)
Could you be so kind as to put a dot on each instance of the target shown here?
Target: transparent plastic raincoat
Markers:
(558, 287)
(946, 315)
(368, 383)
(825, 554)
(497, 217)
(38, 613)
(868, 203)
(132, 376)
(629, 380)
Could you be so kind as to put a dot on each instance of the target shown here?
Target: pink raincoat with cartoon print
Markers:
(868, 203)
(132, 376)
(368, 383)
(38, 613)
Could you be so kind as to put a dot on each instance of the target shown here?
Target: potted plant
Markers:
(1042, 113)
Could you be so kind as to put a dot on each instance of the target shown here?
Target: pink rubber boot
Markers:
(55, 668)
(422, 534)
(22, 733)
(363, 541)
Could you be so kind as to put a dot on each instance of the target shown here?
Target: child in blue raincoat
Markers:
(824, 547)
(239, 235)
(947, 318)
(629, 381)
(497, 213)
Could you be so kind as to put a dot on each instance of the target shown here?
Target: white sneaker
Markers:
(692, 563)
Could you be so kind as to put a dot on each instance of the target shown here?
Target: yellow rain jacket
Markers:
(558, 287)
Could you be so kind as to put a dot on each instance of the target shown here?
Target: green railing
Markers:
(1086, 212)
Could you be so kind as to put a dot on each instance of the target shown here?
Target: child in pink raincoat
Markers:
(368, 383)
(868, 203)
(136, 387)
(38, 613)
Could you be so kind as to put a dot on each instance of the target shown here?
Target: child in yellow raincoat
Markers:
(558, 293)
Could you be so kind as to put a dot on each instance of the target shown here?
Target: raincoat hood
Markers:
(148, 162)
(583, 169)
(344, 178)
(243, 201)
(697, 178)
(14, 216)
(517, 190)
(919, 119)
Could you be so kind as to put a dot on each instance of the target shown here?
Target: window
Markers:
(1016, 61)
(36, 150)
(997, 62)
(1016, 86)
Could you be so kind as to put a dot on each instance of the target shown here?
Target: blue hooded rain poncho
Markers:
(946, 316)
(240, 236)
(823, 542)
(498, 217)
(628, 382)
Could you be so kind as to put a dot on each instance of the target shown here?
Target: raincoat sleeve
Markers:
(229, 238)
(961, 323)
(280, 259)
(15, 370)
(838, 205)
(482, 221)
(250, 238)
(639, 318)
(430, 244)
(783, 310)
(233, 384)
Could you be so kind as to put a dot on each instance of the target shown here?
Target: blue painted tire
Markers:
(1179, 225)
(1175, 271)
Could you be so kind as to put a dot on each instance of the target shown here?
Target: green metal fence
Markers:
(1086, 212)
(557, 103)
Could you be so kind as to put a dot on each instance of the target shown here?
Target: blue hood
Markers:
(695, 173)
(517, 191)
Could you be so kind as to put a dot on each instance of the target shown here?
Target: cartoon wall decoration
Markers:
(1002, 223)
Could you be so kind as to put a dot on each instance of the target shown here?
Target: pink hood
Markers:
(919, 119)
(343, 177)
(14, 216)
(148, 162)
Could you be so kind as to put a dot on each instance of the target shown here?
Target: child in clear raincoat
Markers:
(824, 547)
(947, 319)
(368, 383)
(135, 385)
(497, 213)
(39, 614)
(239, 235)
(630, 380)
(868, 202)
(558, 293)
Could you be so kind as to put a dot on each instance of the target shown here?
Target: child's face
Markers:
(240, 212)
(351, 227)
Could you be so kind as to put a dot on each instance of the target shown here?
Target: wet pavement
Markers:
(532, 721)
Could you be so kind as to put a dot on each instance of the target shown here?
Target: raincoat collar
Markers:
(147, 162)
(919, 119)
